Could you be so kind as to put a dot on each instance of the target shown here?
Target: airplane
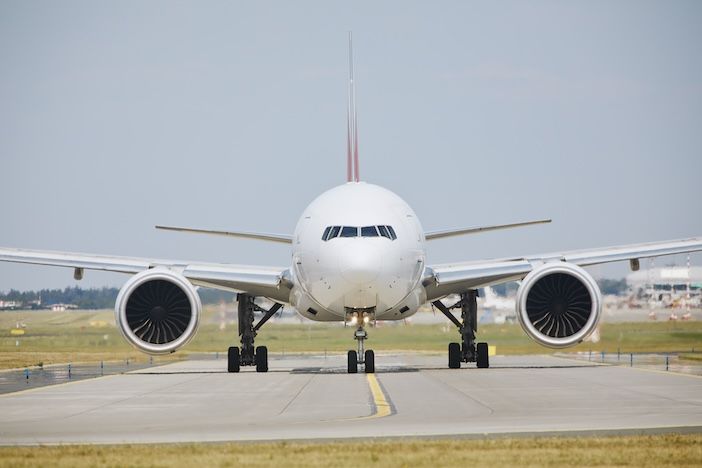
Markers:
(358, 256)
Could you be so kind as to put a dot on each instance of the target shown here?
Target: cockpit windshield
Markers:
(369, 231)
(352, 231)
(348, 231)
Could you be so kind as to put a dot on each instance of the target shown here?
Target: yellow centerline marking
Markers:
(380, 401)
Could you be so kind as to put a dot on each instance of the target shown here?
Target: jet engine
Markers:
(158, 311)
(558, 304)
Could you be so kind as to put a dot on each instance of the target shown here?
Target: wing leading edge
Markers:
(262, 281)
(282, 238)
(474, 230)
(441, 280)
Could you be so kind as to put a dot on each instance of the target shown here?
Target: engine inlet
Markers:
(158, 312)
(559, 305)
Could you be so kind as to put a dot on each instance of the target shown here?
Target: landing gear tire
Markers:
(483, 361)
(248, 354)
(352, 362)
(369, 360)
(261, 359)
(233, 359)
(454, 356)
(466, 351)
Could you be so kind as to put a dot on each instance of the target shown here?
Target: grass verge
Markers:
(650, 450)
(690, 356)
(91, 336)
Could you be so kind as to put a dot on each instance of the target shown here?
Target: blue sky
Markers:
(115, 116)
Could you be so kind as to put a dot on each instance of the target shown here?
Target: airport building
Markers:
(668, 286)
(10, 305)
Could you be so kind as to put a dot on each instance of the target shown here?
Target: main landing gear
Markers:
(248, 355)
(362, 356)
(467, 350)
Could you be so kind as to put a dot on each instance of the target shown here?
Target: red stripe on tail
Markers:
(349, 156)
(357, 176)
(352, 173)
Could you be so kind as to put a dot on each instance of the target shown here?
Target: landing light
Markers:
(366, 319)
(354, 320)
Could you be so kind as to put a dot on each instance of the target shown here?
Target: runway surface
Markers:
(307, 398)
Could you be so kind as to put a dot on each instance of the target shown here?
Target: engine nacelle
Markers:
(558, 304)
(158, 311)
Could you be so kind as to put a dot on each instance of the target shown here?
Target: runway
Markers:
(310, 398)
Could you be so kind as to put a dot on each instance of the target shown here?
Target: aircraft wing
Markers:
(282, 238)
(441, 280)
(474, 230)
(262, 281)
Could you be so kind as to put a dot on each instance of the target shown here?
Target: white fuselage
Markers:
(370, 273)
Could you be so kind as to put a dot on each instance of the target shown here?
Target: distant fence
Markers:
(33, 377)
(687, 362)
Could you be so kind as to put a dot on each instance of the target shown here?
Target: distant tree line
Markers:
(215, 296)
(93, 298)
(612, 286)
(504, 289)
(607, 286)
(104, 298)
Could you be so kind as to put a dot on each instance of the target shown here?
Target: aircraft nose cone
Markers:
(360, 266)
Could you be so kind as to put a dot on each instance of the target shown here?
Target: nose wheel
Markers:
(362, 355)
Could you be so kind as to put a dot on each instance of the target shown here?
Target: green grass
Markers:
(690, 356)
(53, 337)
(639, 451)
(59, 337)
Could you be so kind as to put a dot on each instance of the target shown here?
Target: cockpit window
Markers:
(334, 232)
(330, 232)
(349, 231)
(369, 231)
(393, 236)
(325, 236)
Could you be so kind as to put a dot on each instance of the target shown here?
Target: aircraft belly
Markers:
(307, 306)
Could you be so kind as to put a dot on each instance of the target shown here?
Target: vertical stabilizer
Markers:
(352, 174)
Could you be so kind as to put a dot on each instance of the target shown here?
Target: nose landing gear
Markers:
(362, 355)
(467, 350)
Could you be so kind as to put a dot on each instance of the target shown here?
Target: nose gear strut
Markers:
(362, 355)
(468, 350)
